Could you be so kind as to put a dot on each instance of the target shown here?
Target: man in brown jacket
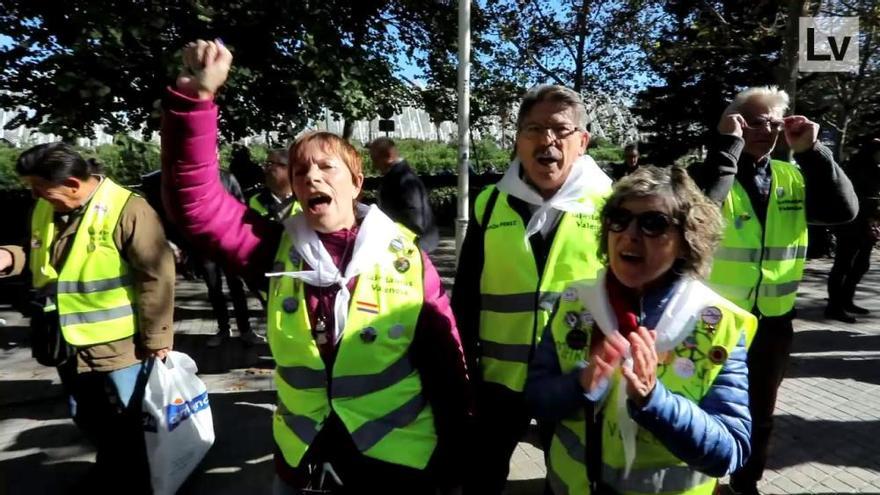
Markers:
(103, 279)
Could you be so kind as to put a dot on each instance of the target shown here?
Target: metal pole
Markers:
(464, 109)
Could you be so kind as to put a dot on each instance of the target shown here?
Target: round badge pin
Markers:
(401, 265)
(572, 319)
(368, 335)
(570, 294)
(711, 315)
(717, 354)
(396, 331)
(290, 305)
(576, 339)
(690, 342)
(396, 245)
(91, 247)
(683, 367)
(586, 318)
(294, 256)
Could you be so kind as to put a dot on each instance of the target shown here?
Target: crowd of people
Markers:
(645, 323)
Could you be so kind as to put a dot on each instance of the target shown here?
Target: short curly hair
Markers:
(700, 219)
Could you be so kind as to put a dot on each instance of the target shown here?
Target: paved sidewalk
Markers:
(826, 440)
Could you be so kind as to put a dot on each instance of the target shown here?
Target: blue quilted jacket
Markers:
(712, 436)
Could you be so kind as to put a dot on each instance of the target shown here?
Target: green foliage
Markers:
(85, 63)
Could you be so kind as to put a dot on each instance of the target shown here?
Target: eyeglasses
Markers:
(535, 131)
(762, 123)
(650, 223)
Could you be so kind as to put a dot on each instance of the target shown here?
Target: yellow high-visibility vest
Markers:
(760, 266)
(93, 292)
(718, 328)
(516, 300)
(373, 387)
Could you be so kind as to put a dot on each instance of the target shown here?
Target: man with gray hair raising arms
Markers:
(531, 234)
(767, 205)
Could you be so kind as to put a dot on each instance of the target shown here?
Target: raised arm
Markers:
(212, 219)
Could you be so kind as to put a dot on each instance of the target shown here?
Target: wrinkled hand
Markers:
(6, 260)
(603, 360)
(732, 125)
(161, 353)
(800, 133)
(641, 379)
(205, 68)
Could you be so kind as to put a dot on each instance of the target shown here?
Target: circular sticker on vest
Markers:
(576, 339)
(690, 342)
(278, 266)
(91, 247)
(396, 245)
(570, 294)
(396, 331)
(717, 354)
(294, 256)
(572, 319)
(368, 335)
(91, 229)
(780, 192)
(711, 315)
(683, 367)
(290, 304)
(401, 265)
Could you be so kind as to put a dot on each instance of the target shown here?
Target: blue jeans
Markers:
(107, 408)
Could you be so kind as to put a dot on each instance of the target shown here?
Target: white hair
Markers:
(772, 96)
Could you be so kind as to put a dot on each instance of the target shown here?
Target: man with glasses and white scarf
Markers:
(532, 233)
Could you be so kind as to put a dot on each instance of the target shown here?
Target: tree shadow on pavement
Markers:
(834, 341)
(241, 459)
(835, 368)
(232, 354)
(31, 474)
(834, 443)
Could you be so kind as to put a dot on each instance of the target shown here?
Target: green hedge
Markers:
(127, 159)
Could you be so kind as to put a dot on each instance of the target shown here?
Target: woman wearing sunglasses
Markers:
(643, 369)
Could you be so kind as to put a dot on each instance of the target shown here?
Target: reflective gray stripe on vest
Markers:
(750, 255)
(303, 427)
(506, 352)
(785, 253)
(733, 291)
(95, 316)
(301, 377)
(373, 431)
(77, 287)
(358, 385)
(738, 254)
(569, 439)
(518, 303)
(556, 484)
(779, 290)
(675, 479)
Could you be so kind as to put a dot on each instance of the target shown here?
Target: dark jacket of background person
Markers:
(403, 197)
(856, 240)
(247, 243)
(140, 239)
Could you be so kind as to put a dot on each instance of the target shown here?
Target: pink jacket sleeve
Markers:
(438, 356)
(194, 198)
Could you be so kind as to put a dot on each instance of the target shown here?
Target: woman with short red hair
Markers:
(370, 373)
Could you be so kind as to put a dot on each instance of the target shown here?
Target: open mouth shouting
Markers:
(631, 257)
(318, 202)
(549, 157)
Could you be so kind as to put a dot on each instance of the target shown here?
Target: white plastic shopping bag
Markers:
(178, 426)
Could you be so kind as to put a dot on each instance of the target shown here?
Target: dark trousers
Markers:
(359, 474)
(851, 261)
(767, 360)
(212, 274)
(501, 421)
(106, 406)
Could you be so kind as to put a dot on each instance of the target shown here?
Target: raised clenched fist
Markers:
(205, 68)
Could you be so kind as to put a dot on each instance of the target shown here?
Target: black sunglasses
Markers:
(651, 223)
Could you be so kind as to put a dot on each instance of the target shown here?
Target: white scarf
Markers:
(585, 175)
(676, 322)
(375, 234)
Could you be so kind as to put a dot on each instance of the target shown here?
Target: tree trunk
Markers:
(788, 77)
(579, 62)
(347, 129)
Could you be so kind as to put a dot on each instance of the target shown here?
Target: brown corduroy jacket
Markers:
(141, 240)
